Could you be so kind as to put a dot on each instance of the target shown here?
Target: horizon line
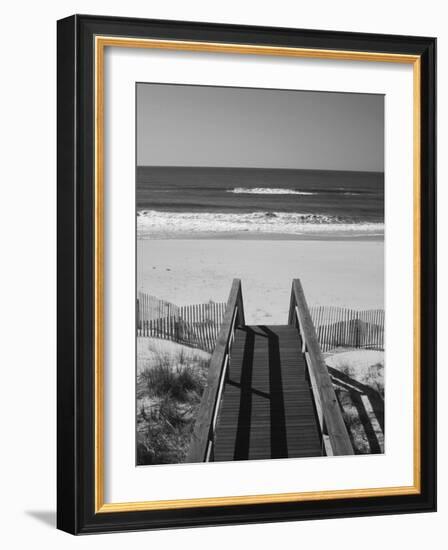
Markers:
(257, 168)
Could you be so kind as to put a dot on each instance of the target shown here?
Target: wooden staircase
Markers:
(269, 393)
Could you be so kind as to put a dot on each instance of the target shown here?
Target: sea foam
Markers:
(151, 223)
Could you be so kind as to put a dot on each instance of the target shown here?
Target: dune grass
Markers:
(169, 392)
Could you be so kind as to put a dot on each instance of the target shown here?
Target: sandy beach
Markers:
(344, 273)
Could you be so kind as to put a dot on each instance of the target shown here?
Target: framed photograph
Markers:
(246, 274)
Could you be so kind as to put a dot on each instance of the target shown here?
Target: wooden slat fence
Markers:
(151, 308)
(341, 327)
(195, 325)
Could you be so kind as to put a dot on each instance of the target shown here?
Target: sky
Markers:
(181, 125)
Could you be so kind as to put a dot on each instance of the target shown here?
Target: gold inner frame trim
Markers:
(101, 42)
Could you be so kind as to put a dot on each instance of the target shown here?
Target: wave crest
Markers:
(267, 191)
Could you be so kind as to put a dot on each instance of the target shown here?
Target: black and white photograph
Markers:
(259, 273)
(246, 273)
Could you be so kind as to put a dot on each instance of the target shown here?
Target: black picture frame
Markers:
(76, 272)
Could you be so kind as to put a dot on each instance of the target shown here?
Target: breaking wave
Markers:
(154, 223)
(267, 191)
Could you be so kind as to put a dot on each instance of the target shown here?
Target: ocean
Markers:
(188, 202)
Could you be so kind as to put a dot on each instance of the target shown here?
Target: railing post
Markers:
(330, 415)
(203, 433)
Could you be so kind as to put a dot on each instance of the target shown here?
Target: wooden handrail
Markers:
(333, 429)
(201, 444)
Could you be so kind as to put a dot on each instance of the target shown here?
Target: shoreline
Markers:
(238, 236)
